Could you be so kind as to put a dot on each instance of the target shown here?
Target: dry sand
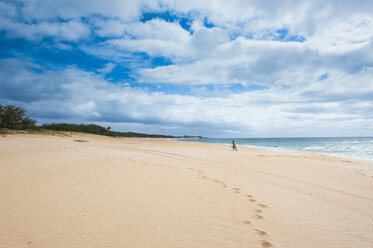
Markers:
(139, 193)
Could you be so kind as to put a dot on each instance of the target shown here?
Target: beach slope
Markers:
(57, 191)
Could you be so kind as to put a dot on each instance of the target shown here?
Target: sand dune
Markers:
(111, 192)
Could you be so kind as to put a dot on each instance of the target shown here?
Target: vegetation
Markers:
(91, 128)
(95, 129)
(14, 118)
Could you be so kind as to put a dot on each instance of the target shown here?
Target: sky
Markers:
(216, 68)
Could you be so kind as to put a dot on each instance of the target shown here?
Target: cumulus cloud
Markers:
(108, 68)
(71, 9)
(61, 31)
(241, 61)
(72, 94)
(155, 37)
(109, 28)
(80, 94)
(284, 46)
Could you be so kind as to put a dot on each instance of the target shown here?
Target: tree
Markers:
(13, 117)
(1, 115)
(28, 123)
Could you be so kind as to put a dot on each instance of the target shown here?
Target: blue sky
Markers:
(211, 68)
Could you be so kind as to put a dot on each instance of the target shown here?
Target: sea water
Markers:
(350, 147)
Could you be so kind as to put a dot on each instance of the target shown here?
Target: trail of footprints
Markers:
(154, 164)
(258, 210)
(361, 173)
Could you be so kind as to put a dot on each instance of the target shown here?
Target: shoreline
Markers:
(284, 149)
(131, 192)
(333, 155)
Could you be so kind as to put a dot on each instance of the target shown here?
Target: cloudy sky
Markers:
(217, 68)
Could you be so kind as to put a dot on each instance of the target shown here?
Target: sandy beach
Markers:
(138, 193)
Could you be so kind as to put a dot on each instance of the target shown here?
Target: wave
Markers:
(351, 147)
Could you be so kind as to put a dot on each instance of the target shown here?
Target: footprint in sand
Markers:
(258, 210)
(247, 222)
(249, 196)
(237, 190)
(257, 216)
(265, 243)
(223, 184)
(260, 232)
(262, 205)
(252, 200)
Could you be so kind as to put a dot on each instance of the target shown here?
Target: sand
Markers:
(138, 193)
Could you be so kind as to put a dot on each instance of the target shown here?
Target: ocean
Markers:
(347, 147)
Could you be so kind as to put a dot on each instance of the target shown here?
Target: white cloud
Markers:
(155, 37)
(343, 37)
(85, 96)
(71, 9)
(241, 61)
(61, 31)
(327, 27)
(109, 67)
(205, 41)
(110, 28)
(250, 42)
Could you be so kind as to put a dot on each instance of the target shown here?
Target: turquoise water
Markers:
(351, 147)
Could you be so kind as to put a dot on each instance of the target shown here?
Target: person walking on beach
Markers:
(234, 146)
